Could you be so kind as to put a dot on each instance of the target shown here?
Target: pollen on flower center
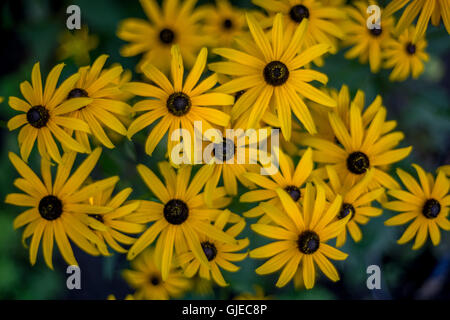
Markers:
(227, 24)
(50, 208)
(155, 280)
(346, 209)
(410, 48)
(209, 249)
(176, 211)
(77, 93)
(38, 116)
(178, 104)
(294, 192)
(166, 36)
(308, 242)
(276, 73)
(431, 208)
(224, 151)
(298, 13)
(376, 31)
(358, 162)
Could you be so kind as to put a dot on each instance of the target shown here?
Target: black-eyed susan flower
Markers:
(367, 43)
(45, 111)
(103, 111)
(177, 23)
(220, 255)
(146, 278)
(428, 9)
(288, 178)
(181, 216)
(224, 22)
(114, 227)
(301, 236)
(271, 71)
(425, 203)
(359, 149)
(404, 57)
(356, 202)
(178, 105)
(323, 20)
(59, 211)
(76, 44)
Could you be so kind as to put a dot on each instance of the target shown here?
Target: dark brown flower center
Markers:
(276, 73)
(410, 48)
(166, 36)
(294, 192)
(298, 13)
(38, 116)
(77, 93)
(346, 209)
(431, 208)
(178, 104)
(376, 31)
(176, 211)
(224, 151)
(155, 279)
(50, 208)
(209, 249)
(227, 24)
(358, 162)
(308, 242)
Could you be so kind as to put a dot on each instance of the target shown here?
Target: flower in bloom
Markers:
(77, 44)
(44, 111)
(58, 209)
(425, 202)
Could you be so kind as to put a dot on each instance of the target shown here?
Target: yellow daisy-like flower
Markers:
(179, 105)
(103, 110)
(405, 57)
(367, 44)
(145, 276)
(45, 111)
(257, 295)
(289, 179)
(218, 253)
(113, 226)
(223, 23)
(428, 9)
(177, 23)
(359, 149)
(301, 236)
(323, 26)
(425, 203)
(180, 218)
(356, 202)
(58, 208)
(77, 44)
(271, 71)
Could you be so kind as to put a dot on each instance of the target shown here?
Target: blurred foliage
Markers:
(30, 31)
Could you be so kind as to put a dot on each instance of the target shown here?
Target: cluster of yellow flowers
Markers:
(346, 148)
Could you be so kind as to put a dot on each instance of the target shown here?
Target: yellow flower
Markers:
(77, 44)
(367, 44)
(257, 295)
(45, 111)
(177, 23)
(301, 236)
(103, 110)
(1, 99)
(405, 57)
(289, 179)
(323, 20)
(356, 202)
(128, 297)
(425, 204)
(359, 149)
(58, 209)
(429, 9)
(178, 104)
(110, 227)
(218, 253)
(145, 276)
(223, 23)
(180, 218)
(270, 70)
